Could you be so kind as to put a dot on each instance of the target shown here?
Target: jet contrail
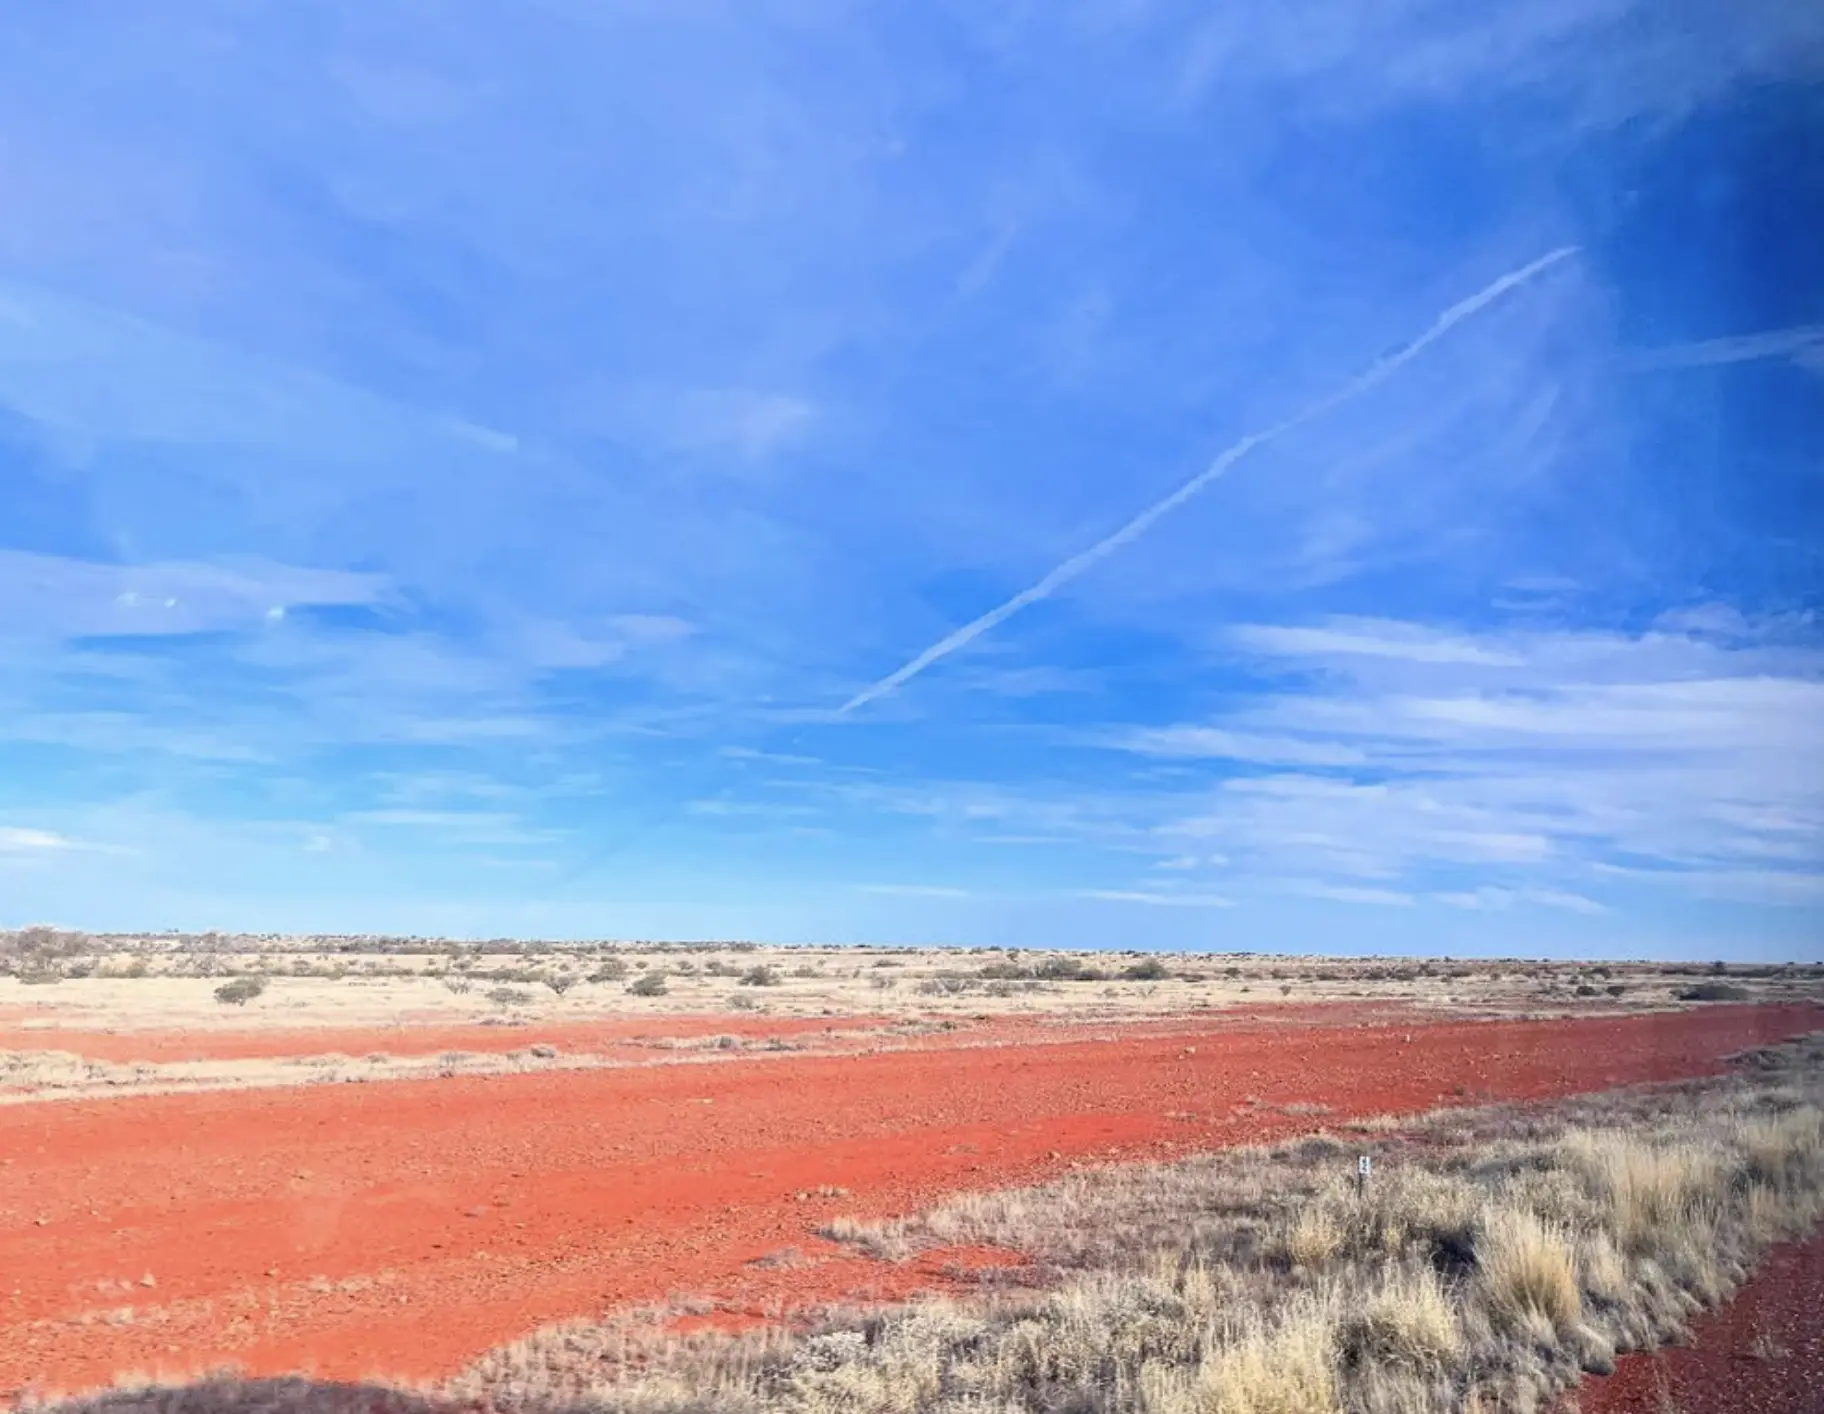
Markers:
(1375, 373)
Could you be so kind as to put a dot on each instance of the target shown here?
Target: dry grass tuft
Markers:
(1288, 1367)
(1648, 1188)
(1409, 1320)
(1528, 1273)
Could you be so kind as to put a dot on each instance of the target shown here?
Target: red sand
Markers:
(1763, 1353)
(401, 1228)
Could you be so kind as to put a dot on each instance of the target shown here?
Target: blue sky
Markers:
(576, 468)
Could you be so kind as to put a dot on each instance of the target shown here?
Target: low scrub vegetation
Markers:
(240, 991)
(1493, 1256)
(1714, 992)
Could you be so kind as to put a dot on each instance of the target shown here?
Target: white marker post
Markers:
(1364, 1170)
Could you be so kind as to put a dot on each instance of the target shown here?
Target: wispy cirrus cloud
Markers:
(1152, 898)
(1221, 744)
(15, 839)
(56, 597)
(1803, 345)
(1538, 757)
(746, 425)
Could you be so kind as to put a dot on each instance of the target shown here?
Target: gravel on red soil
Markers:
(1762, 1353)
(400, 1228)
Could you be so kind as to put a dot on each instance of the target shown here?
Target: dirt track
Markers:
(401, 1228)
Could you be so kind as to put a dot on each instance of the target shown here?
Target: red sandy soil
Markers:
(400, 1228)
(1763, 1353)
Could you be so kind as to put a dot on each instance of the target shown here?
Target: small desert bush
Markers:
(240, 991)
(508, 996)
(1151, 970)
(1714, 992)
(650, 984)
(760, 976)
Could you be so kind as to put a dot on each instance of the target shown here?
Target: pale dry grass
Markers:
(1409, 1319)
(41, 1076)
(1527, 1273)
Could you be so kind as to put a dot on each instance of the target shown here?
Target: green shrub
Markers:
(611, 969)
(240, 991)
(1714, 992)
(652, 984)
(760, 976)
(1152, 970)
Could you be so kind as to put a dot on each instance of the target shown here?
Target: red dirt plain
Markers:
(401, 1228)
(1763, 1353)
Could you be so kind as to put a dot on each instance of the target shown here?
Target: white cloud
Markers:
(1606, 60)
(1349, 893)
(16, 840)
(1795, 343)
(1215, 742)
(1372, 638)
(916, 890)
(55, 597)
(1156, 899)
(1531, 758)
(1493, 899)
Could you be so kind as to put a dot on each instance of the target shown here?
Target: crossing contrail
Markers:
(1377, 372)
